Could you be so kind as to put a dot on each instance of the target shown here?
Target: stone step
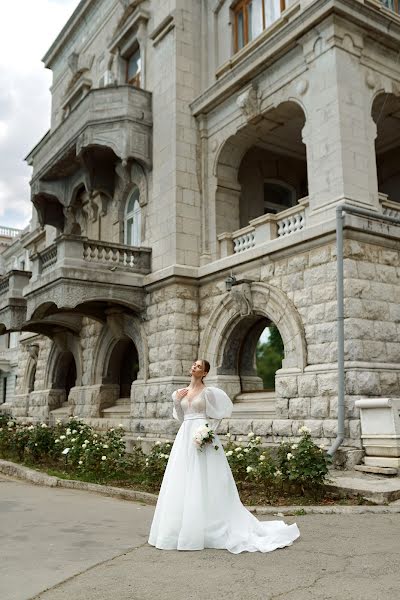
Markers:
(377, 470)
(118, 411)
(123, 402)
(254, 405)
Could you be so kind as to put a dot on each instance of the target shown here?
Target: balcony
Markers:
(12, 301)
(118, 118)
(264, 229)
(87, 277)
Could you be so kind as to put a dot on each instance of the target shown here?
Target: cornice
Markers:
(67, 31)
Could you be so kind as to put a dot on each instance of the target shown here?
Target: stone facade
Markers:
(237, 161)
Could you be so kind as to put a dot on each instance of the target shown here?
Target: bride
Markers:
(198, 505)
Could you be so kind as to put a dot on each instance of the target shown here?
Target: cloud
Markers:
(24, 95)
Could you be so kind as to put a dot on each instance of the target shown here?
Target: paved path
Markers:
(85, 547)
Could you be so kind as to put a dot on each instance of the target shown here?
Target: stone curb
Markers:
(39, 478)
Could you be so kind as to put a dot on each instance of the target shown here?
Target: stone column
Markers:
(339, 132)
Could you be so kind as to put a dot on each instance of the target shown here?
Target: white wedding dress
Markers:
(198, 505)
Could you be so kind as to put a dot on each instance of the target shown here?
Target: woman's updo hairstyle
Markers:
(206, 367)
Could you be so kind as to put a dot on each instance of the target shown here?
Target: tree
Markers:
(269, 357)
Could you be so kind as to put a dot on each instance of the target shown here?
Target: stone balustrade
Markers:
(389, 208)
(265, 228)
(77, 251)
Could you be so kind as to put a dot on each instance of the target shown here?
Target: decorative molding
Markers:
(249, 102)
(162, 29)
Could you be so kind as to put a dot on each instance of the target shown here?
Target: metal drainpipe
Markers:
(340, 210)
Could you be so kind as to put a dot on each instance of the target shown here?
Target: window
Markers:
(133, 68)
(251, 17)
(392, 5)
(133, 220)
(277, 197)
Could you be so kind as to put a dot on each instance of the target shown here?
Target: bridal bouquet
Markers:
(203, 436)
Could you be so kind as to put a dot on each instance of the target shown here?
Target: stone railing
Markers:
(389, 208)
(119, 117)
(10, 232)
(128, 257)
(12, 284)
(80, 252)
(265, 228)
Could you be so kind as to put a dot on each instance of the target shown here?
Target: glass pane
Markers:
(136, 229)
(272, 11)
(129, 232)
(240, 29)
(255, 18)
(130, 206)
(134, 65)
(249, 21)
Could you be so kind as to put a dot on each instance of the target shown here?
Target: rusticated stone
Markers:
(307, 385)
(389, 381)
(355, 429)
(282, 407)
(319, 256)
(363, 383)
(239, 426)
(329, 428)
(262, 426)
(299, 408)
(327, 384)
(319, 408)
(282, 427)
(286, 387)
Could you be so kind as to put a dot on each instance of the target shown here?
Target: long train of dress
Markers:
(198, 505)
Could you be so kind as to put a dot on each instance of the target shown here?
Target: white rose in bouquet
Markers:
(203, 436)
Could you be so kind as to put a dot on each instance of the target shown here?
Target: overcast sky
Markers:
(27, 29)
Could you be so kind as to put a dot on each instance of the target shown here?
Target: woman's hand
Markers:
(181, 393)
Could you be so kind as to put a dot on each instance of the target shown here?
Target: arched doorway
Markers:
(122, 370)
(65, 374)
(248, 354)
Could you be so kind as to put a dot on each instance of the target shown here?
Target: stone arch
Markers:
(385, 111)
(119, 328)
(265, 301)
(269, 147)
(58, 358)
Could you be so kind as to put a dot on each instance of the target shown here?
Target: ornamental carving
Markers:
(249, 102)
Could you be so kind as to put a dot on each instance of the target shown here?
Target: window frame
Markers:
(242, 6)
(136, 80)
(136, 215)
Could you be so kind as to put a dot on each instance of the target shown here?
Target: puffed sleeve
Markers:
(218, 405)
(177, 411)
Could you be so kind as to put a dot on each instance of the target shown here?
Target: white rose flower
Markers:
(240, 455)
(95, 435)
(322, 447)
(294, 446)
(240, 440)
(289, 455)
(73, 439)
(66, 450)
(251, 434)
(86, 441)
(62, 437)
(258, 439)
(304, 429)
(157, 443)
(228, 435)
(139, 438)
(74, 431)
(31, 428)
(58, 421)
(278, 473)
(121, 426)
(105, 445)
(229, 453)
(238, 449)
(249, 469)
(68, 432)
(104, 457)
(166, 455)
(262, 457)
(83, 446)
(80, 462)
(245, 450)
(44, 426)
(57, 441)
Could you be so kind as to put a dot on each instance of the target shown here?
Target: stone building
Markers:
(195, 145)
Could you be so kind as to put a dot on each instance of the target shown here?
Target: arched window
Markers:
(132, 229)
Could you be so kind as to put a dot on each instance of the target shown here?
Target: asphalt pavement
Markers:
(59, 544)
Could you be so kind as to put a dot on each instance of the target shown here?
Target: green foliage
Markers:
(76, 449)
(269, 358)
